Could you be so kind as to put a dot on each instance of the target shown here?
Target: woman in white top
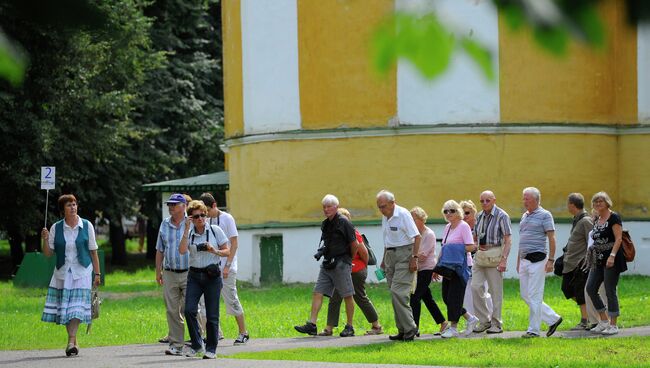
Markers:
(206, 245)
(72, 240)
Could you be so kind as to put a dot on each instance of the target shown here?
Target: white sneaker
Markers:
(189, 352)
(209, 355)
(450, 333)
(471, 324)
(611, 330)
(172, 350)
(600, 327)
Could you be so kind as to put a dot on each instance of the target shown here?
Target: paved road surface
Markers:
(151, 355)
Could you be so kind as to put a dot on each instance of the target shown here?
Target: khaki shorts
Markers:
(339, 278)
(229, 295)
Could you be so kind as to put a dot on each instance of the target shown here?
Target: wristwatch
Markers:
(228, 264)
(414, 256)
(551, 260)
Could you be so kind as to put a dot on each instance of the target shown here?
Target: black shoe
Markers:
(398, 337)
(71, 350)
(417, 333)
(347, 331)
(410, 336)
(308, 328)
(553, 327)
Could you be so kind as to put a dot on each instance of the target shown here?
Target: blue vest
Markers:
(83, 254)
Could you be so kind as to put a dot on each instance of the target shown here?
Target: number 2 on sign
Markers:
(49, 173)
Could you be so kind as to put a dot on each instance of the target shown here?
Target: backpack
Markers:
(628, 246)
(372, 259)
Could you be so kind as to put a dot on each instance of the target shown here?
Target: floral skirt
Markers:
(68, 299)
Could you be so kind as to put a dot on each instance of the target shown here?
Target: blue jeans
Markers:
(610, 277)
(199, 283)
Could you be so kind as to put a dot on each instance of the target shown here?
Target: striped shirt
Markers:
(492, 227)
(169, 240)
(215, 237)
(532, 231)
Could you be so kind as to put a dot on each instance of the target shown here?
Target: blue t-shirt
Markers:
(532, 231)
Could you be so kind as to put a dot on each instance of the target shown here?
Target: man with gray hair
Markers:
(533, 262)
(402, 245)
(338, 249)
(493, 233)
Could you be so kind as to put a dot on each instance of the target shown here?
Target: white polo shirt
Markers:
(400, 229)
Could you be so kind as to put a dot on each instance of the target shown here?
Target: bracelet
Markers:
(98, 274)
(612, 254)
(550, 260)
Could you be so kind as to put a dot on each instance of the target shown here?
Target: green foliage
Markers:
(12, 62)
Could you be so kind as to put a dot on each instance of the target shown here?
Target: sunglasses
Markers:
(467, 213)
(446, 212)
(196, 217)
(485, 200)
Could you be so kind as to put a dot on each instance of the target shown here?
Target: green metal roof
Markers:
(213, 181)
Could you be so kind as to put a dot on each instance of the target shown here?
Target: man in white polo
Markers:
(402, 244)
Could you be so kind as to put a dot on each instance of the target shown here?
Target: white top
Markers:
(227, 223)
(215, 237)
(400, 229)
(71, 260)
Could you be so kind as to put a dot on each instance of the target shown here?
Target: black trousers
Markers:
(423, 294)
(453, 293)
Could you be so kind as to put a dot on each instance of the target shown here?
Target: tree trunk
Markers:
(118, 243)
(33, 243)
(16, 248)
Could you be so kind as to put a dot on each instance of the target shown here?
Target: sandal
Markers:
(443, 327)
(325, 332)
(375, 331)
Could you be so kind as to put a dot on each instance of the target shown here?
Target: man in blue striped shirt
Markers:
(171, 270)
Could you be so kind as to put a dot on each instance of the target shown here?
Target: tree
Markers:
(74, 111)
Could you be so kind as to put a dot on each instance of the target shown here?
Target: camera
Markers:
(319, 253)
(202, 247)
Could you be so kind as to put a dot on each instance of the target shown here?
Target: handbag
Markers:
(213, 271)
(488, 258)
(445, 272)
(628, 246)
(95, 302)
(558, 266)
(372, 259)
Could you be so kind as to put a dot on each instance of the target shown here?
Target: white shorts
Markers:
(229, 295)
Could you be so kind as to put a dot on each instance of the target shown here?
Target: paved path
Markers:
(151, 355)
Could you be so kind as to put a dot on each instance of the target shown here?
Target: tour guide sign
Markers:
(48, 181)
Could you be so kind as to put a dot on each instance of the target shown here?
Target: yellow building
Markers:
(306, 115)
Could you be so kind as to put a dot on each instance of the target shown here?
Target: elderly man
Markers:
(171, 270)
(534, 261)
(402, 245)
(339, 247)
(493, 235)
(574, 278)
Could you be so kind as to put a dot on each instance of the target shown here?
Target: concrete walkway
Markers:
(152, 355)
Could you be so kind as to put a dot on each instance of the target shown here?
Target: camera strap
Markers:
(207, 235)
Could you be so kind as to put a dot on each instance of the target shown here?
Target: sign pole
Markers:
(47, 197)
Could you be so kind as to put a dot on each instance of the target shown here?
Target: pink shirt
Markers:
(427, 256)
(462, 234)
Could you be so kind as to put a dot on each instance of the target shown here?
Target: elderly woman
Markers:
(606, 262)
(452, 265)
(72, 240)
(426, 263)
(359, 275)
(206, 245)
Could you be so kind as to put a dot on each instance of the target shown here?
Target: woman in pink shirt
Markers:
(426, 263)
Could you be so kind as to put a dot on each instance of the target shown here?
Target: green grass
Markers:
(133, 311)
(616, 352)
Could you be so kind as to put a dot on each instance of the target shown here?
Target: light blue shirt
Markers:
(216, 237)
(169, 241)
(532, 231)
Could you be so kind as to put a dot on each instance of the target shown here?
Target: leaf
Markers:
(481, 56)
(12, 62)
(553, 39)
